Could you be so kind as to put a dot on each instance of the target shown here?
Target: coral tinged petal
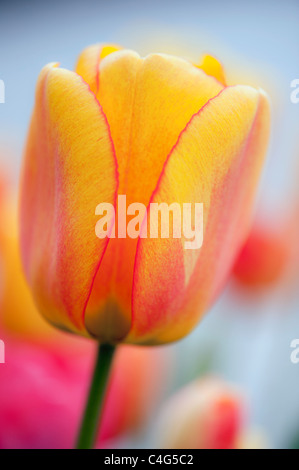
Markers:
(69, 169)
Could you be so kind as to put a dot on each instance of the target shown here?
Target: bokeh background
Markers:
(246, 337)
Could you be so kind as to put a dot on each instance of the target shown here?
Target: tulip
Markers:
(157, 130)
(206, 414)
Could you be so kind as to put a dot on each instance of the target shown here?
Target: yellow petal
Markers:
(211, 66)
(217, 162)
(89, 62)
(69, 169)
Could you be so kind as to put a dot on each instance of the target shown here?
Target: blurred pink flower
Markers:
(40, 390)
(43, 390)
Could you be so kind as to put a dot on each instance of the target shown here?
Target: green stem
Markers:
(94, 405)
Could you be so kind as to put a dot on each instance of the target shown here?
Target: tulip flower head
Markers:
(158, 130)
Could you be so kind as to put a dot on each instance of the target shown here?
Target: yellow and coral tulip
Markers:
(157, 129)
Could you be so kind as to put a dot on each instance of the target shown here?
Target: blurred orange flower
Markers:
(264, 257)
(206, 414)
(157, 129)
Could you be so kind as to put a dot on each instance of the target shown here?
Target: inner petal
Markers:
(89, 61)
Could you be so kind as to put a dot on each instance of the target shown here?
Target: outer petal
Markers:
(217, 162)
(147, 103)
(18, 312)
(69, 169)
(89, 62)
